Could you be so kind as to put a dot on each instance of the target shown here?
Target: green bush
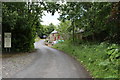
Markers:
(114, 52)
(17, 19)
(100, 59)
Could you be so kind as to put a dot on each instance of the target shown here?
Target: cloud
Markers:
(48, 18)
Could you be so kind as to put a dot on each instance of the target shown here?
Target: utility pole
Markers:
(73, 27)
(73, 31)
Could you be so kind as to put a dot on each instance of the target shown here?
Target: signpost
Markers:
(7, 41)
(0, 43)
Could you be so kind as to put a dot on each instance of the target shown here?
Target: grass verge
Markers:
(37, 39)
(100, 59)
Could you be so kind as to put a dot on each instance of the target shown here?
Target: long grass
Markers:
(93, 57)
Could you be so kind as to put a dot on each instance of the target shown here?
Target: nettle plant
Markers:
(113, 52)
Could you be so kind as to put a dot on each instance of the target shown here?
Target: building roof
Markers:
(54, 32)
(80, 31)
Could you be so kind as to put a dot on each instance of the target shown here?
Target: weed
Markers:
(100, 59)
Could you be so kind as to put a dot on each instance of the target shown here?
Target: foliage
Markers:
(45, 30)
(100, 21)
(64, 29)
(21, 19)
(98, 58)
(114, 53)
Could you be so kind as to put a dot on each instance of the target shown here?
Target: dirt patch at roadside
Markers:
(13, 63)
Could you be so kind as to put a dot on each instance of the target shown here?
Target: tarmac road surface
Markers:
(52, 63)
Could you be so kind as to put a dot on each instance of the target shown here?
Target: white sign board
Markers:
(7, 40)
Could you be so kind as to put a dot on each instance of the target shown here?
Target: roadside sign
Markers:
(7, 40)
(0, 38)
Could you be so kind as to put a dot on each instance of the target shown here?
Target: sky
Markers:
(48, 18)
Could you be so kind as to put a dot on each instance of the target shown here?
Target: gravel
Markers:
(15, 63)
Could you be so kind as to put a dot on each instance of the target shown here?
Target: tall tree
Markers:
(21, 19)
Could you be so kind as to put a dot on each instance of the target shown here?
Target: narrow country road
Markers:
(51, 63)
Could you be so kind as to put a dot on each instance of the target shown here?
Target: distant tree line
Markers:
(45, 30)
